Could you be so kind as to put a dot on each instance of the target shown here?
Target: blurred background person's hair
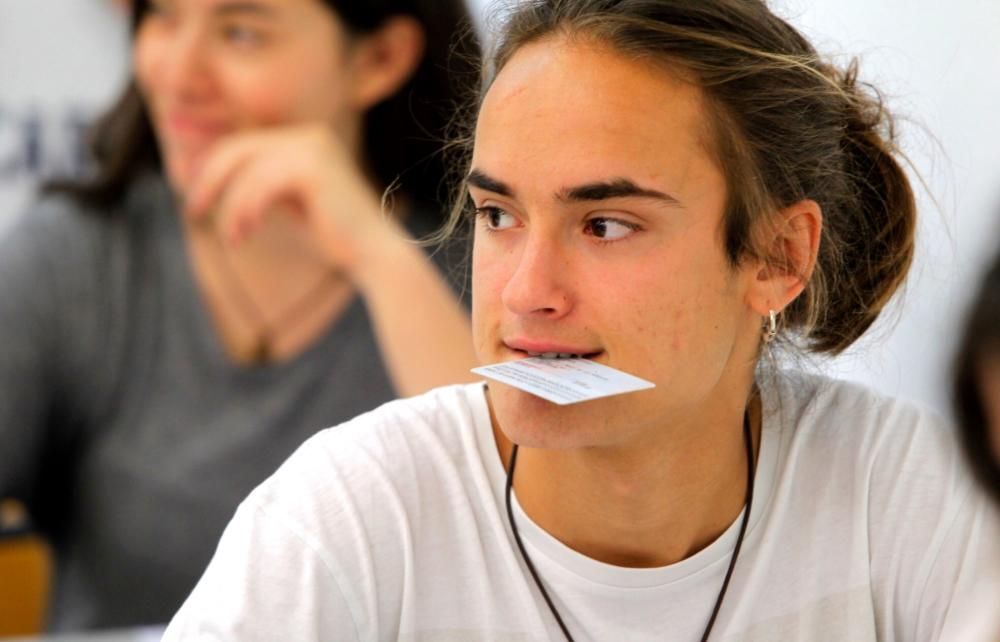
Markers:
(977, 382)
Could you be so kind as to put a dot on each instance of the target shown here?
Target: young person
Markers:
(668, 188)
(227, 282)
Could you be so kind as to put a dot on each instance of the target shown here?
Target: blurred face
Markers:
(208, 68)
(599, 233)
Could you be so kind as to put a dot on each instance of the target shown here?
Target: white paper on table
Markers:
(564, 381)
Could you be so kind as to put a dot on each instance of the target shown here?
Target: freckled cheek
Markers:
(489, 277)
(656, 322)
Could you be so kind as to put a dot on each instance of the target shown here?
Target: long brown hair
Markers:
(403, 135)
(786, 126)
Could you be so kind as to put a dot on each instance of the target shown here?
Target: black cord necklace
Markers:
(748, 441)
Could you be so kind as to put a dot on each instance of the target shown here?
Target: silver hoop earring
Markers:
(771, 326)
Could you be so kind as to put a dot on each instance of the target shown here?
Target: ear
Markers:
(789, 252)
(383, 61)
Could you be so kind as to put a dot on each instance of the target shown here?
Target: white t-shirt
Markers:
(865, 526)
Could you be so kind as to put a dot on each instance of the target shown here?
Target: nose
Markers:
(538, 286)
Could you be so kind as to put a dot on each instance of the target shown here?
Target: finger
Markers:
(223, 163)
(261, 185)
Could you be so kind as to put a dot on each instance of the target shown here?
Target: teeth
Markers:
(553, 355)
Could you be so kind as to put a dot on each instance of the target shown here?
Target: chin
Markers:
(178, 177)
(181, 168)
(533, 422)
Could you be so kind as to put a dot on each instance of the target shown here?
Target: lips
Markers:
(187, 131)
(185, 138)
(191, 129)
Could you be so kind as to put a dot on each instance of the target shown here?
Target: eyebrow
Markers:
(614, 188)
(595, 191)
(243, 6)
(482, 181)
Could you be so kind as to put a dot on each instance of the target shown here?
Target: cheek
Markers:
(146, 54)
(265, 98)
(681, 304)
(655, 302)
(489, 276)
(272, 96)
(492, 265)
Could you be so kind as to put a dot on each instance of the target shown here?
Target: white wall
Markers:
(61, 62)
(940, 64)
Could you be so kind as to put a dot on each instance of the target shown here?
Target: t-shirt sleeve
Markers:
(934, 539)
(964, 569)
(324, 548)
(267, 581)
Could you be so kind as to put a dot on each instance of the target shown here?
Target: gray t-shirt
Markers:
(124, 427)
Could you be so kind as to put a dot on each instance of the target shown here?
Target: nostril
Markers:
(530, 290)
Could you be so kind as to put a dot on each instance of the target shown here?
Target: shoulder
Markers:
(50, 258)
(358, 503)
(444, 417)
(54, 222)
(886, 476)
(883, 447)
(897, 455)
(62, 246)
(386, 452)
(61, 230)
(813, 401)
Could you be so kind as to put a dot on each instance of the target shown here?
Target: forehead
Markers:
(583, 108)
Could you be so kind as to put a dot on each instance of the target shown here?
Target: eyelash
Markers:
(482, 213)
(633, 227)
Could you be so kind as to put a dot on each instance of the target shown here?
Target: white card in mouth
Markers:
(564, 381)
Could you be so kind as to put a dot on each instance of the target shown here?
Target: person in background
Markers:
(976, 400)
(976, 389)
(228, 280)
(672, 189)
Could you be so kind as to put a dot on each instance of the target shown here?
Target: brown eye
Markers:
(242, 35)
(495, 218)
(609, 229)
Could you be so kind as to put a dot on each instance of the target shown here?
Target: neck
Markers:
(645, 506)
(272, 291)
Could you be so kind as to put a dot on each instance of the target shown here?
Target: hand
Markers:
(304, 172)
